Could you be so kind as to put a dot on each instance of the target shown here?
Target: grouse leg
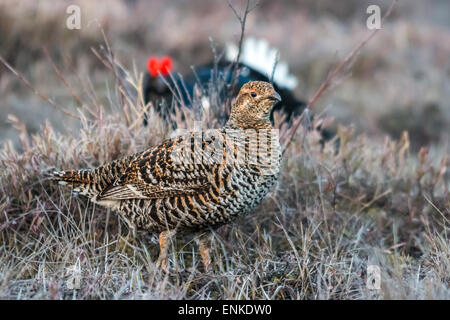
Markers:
(164, 242)
(204, 242)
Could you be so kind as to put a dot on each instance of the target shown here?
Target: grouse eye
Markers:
(253, 93)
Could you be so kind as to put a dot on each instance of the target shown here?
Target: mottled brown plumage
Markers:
(194, 182)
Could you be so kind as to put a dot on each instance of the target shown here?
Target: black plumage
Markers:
(159, 90)
(167, 90)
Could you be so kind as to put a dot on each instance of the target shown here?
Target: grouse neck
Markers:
(233, 124)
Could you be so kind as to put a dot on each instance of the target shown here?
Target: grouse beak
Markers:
(275, 96)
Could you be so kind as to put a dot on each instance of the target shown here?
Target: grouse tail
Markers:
(81, 180)
(258, 55)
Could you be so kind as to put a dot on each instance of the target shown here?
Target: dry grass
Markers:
(330, 216)
(375, 201)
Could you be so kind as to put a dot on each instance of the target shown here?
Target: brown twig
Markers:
(118, 80)
(89, 93)
(40, 95)
(275, 65)
(242, 20)
(344, 64)
(61, 77)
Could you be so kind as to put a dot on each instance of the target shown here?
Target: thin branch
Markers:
(40, 95)
(344, 64)
(242, 20)
(88, 91)
(61, 77)
(98, 55)
(275, 65)
(111, 57)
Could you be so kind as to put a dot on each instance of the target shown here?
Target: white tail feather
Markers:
(258, 55)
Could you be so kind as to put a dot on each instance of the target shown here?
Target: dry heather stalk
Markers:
(40, 95)
(340, 68)
(44, 231)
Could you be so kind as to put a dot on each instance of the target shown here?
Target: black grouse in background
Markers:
(257, 62)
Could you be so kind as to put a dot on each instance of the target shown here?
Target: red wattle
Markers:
(155, 66)
(166, 65)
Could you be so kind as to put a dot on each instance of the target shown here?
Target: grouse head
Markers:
(253, 105)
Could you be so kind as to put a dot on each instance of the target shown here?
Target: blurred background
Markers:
(400, 81)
